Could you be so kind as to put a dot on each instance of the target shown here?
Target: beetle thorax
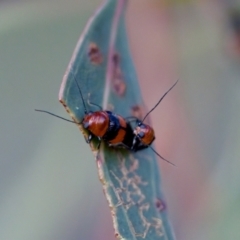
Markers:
(96, 122)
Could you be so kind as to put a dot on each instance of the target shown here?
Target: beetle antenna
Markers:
(162, 157)
(92, 103)
(160, 100)
(37, 110)
(96, 105)
(85, 108)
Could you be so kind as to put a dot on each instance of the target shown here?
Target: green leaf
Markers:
(102, 66)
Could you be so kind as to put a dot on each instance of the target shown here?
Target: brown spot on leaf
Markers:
(118, 83)
(136, 111)
(63, 103)
(94, 54)
(69, 111)
(65, 106)
(119, 86)
(116, 59)
(160, 205)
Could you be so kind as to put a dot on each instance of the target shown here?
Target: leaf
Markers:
(102, 66)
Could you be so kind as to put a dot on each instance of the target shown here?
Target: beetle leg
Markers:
(137, 145)
(99, 144)
(134, 143)
(88, 138)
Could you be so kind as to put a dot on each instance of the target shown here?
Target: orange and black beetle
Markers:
(107, 126)
(115, 130)
(110, 127)
(144, 134)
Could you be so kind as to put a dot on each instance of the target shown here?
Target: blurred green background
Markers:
(49, 188)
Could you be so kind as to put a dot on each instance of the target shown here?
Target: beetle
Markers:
(108, 126)
(105, 125)
(144, 134)
(115, 130)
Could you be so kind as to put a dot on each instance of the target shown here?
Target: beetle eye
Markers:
(141, 134)
(139, 123)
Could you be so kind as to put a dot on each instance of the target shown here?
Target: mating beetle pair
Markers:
(115, 130)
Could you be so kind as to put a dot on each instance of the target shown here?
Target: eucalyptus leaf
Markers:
(102, 66)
